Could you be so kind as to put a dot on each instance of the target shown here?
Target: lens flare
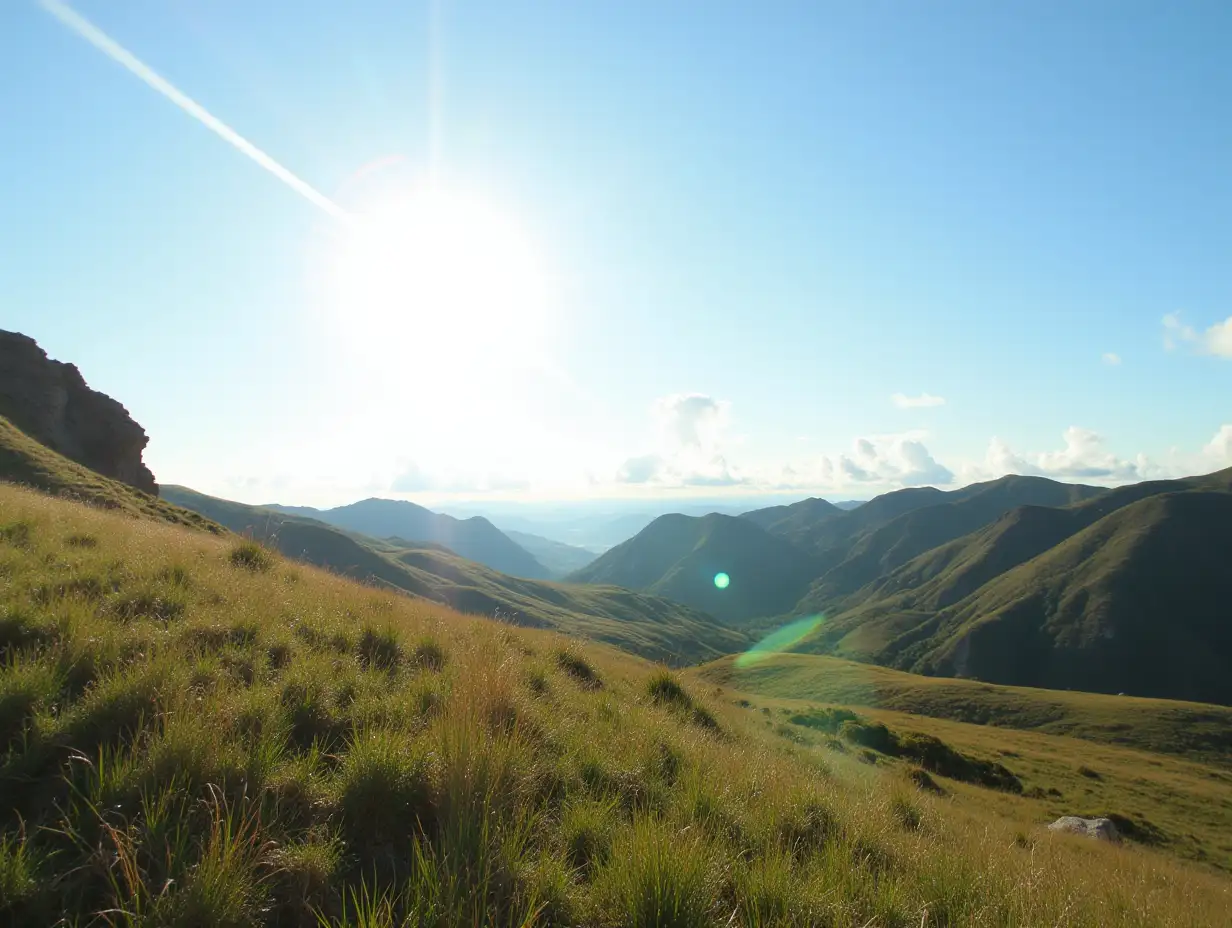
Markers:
(779, 641)
(721, 580)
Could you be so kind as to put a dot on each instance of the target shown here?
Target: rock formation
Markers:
(50, 402)
(1102, 829)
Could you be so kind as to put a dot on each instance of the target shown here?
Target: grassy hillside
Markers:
(24, 461)
(785, 519)
(1137, 603)
(475, 539)
(196, 732)
(679, 556)
(1163, 726)
(560, 559)
(835, 534)
(1166, 804)
(643, 624)
(894, 543)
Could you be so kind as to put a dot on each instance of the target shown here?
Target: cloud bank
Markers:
(923, 401)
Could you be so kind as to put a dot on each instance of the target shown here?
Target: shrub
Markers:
(658, 878)
(301, 875)
(379, 648)
(578, 668)
(429, 655)
(766, 890)
(384, 793)
(586, 828)
(18, 534)
(872, 735)
(921, 778)
(18, 873)
(25, 687)
(906, 812)
(664, 689)
(251, 556)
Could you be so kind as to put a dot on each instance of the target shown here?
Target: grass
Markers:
(651, 626)
(1168, 804)
(290, 748)
(24, 461)
(1197, 731)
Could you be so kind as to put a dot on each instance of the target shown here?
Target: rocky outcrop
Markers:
(1101, 829)
(50, 402)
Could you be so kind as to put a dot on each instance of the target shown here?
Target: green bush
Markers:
(578, 668)
(251, 556)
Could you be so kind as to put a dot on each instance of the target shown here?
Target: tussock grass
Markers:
(251, 556)
(287, 748)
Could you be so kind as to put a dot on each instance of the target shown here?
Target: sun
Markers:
(444, 274)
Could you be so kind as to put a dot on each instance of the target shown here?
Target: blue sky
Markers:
(751, 226)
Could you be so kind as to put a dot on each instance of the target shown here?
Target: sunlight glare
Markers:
(441, 272)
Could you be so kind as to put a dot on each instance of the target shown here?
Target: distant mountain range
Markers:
(475, 538)
(680, 557)
(643, 624)
(1020, 580)
(560, 559)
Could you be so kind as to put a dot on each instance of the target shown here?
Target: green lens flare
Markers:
(777, 642)
(721, 580)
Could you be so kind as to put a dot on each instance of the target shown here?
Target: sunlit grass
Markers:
(189, 740)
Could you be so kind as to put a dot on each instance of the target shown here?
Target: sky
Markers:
(458, 249)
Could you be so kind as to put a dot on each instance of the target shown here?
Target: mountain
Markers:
(560, 559)
(834, 534)
(805, 557)
(475, 539)
(679, 557)
(1125, 592)
(888, 545)
(25, 461)
(642, 624)
(787, 518)
(50, 402)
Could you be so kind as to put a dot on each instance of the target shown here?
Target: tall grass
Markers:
(282, 748)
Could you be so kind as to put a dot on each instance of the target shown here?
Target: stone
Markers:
(50, 401)
(1100, 829)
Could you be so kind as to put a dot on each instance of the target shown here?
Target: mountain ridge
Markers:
(474, 538)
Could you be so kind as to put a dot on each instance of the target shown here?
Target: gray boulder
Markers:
(1101, 829)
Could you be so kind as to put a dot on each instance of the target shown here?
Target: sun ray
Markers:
(122, 56)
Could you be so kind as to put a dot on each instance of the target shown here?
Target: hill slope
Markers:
(217, 737)
(559, 558)
(23, 460)
(475, 539)
(889, 545)
(1199, 731)
(679, 556)
(646, 625)
(1136, 603)
(1124, 593)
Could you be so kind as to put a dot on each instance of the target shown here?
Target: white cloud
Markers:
(1111, 358)
(691, 422)
(691, 430)
(923, 401)
(641, 469)
(1216, 340)
(1084, 456)
(1219, 449)
(882, 462)
(1176, 332)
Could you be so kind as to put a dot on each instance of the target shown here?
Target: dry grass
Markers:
(189, 741)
